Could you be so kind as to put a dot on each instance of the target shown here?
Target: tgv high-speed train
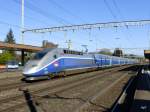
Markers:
(57, 60)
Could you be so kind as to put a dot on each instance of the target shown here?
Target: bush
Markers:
(4, 57)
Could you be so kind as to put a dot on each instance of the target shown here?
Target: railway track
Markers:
(99, 102)
(7, 85)
(5, 89)
(53, 89)
(80, 95)
(10, 75)
(42, 92)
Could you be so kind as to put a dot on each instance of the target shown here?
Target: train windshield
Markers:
(39, 55)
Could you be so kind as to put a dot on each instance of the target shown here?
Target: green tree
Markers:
(105, 51)
(5, 56)
(10, 39)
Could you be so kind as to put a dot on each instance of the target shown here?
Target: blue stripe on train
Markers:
(65, 63)
(72, 63)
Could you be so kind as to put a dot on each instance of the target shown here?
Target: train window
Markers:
(65, 51)
(39, 55)
(72, 52)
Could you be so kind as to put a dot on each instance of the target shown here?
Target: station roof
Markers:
(19, 47)
(147, 54)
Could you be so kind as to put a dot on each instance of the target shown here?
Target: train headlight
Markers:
(56, 64)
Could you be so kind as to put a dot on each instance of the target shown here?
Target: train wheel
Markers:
(50, 76)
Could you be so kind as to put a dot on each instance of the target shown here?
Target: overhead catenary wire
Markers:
(45, 14)
(48, 14)
(90, 26)
(117, 8)
(26, 16)
(122, 18)
(9, 24)
(113, 14)
(148, 35)
(65, 10)
(109, 9)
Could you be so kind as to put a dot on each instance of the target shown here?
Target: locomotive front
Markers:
(33, 67)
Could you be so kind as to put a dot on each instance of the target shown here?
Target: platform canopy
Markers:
(20, 47)
(147, 54)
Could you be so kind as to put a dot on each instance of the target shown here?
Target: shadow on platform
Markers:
(29, 101)
(141, 106)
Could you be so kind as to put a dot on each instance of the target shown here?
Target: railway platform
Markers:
(141, 102)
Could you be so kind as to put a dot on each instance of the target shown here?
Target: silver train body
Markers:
(51, 62)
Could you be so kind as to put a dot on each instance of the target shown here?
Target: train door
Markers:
(110, 61)
(102, 61)
(96, 60)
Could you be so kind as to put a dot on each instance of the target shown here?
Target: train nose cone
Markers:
(30, 67)
(30, 71)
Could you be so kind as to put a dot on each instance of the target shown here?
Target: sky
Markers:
(51, 13)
